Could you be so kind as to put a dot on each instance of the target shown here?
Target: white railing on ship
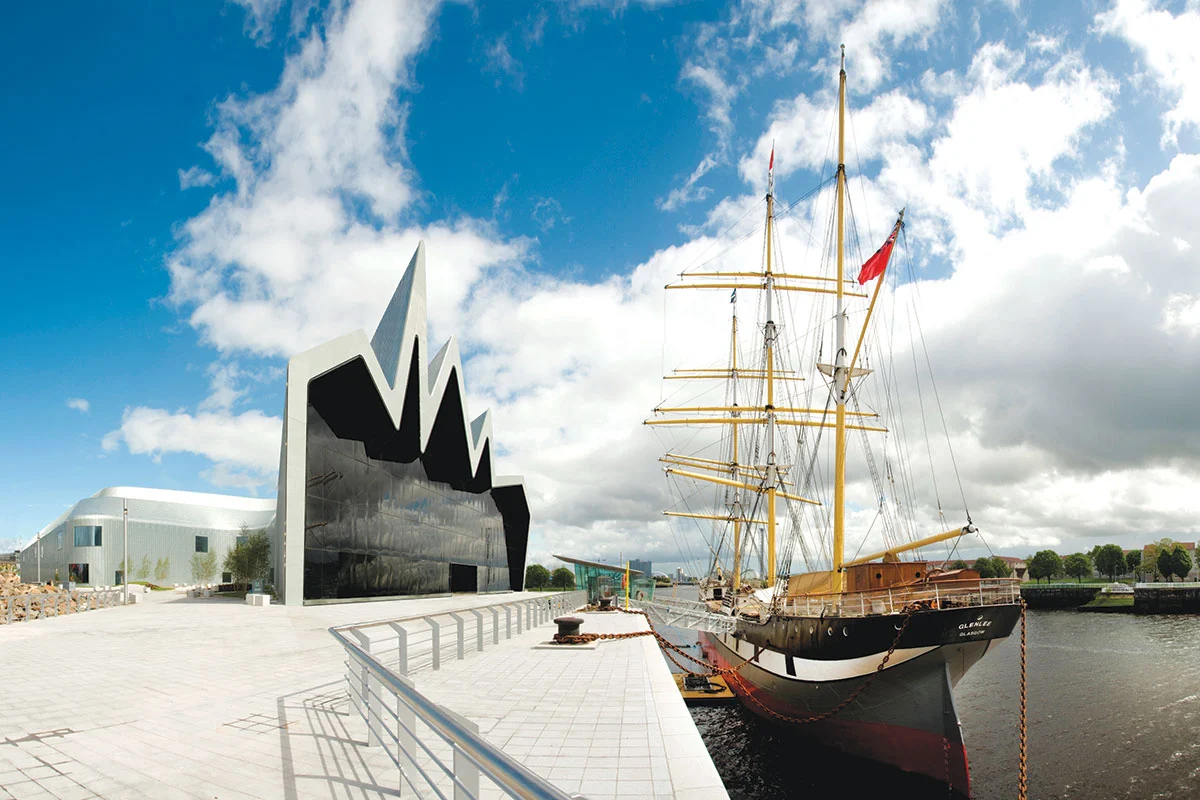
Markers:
(950, 594)
(39, 605)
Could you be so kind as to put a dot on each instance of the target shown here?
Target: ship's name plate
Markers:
(973, 628)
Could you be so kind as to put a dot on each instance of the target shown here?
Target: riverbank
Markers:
(1149, 598)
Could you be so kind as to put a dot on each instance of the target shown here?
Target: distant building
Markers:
(679, 574)
(1018, 566)
(641, 566)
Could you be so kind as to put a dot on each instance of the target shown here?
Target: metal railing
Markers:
(414, 644)
(40, 605)
(689, 614)
(946, 594)
(1165, 585)
(439, 753)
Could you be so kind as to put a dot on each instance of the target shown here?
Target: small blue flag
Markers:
(733, 297)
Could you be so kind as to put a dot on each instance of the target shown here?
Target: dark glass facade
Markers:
(379, 528)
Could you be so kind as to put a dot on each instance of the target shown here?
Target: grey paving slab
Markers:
(191, 698)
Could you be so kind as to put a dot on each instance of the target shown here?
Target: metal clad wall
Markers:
(156, 530)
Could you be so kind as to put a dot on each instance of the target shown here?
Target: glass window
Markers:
(379, 528)
(201, 544)
(87, 535)
(226, 577)
(241, 540)
(78, 572)
(59, 539)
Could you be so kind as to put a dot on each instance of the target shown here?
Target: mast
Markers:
(735, 510)
(840, 373)
(772, 476)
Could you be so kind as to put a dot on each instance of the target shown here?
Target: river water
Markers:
(1114, 712)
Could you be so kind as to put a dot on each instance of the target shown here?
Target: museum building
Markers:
(387, 487)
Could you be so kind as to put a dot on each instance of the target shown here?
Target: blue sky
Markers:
(196, 191)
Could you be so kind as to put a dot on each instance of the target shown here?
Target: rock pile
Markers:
(20, 600)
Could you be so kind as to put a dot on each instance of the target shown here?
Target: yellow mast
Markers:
(769, 339)
(841, 377)
(736, 511)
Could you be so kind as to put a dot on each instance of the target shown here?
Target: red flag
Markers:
(771, 166)
(876, 264)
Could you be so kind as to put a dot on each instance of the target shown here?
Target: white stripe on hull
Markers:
(817, 671)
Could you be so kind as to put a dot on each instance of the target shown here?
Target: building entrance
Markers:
(463, 578)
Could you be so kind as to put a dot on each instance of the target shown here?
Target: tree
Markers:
(1077, 565)
(162, 570)
(250, 559)
(984, 567)
(204, 567)
(536, 577)
(562, 578)
(1110, 560)
(1173, 560)
(959, 564)
(1182, 561)
(1044, 564)
(1133, 561)
(143, 568)
(1003, 570)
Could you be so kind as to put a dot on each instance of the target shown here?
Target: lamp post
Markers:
(125, 568)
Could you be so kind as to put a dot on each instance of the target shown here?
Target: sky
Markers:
(197, 191)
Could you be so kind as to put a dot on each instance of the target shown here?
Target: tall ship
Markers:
(859, 650)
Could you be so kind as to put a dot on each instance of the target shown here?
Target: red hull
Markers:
(909, 749)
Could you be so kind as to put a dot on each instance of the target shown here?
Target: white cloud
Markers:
(1044, 336)
(1166, 43)
(690, 192)
(804, 134)
(79, 404)
(244, 445)
(260, 16)
(195, 176)
(500, 61)
(311, 241)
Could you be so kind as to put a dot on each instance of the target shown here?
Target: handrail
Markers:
(511, 776)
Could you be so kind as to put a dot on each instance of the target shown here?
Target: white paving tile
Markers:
(145, 700)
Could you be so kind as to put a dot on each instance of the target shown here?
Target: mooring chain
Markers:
(1022, 777)
(731, 672)
(663, 642)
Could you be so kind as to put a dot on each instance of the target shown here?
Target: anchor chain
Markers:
(1022, 775)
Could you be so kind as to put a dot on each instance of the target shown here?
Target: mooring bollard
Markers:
(568, 626)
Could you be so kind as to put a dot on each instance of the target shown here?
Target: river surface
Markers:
(1114, 712)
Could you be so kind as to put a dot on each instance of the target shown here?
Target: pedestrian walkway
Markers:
(209, 698)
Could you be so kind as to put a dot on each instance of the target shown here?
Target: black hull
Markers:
(906, 717)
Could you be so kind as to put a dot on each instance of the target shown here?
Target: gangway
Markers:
(687, 614)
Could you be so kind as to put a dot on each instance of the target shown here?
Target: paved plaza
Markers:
(194, 698)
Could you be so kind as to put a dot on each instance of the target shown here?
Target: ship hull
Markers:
(905, 717)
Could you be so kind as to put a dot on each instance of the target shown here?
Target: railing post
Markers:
(435, 631)
(462, 649)
(406, 719)
(495, 625)
(529, 612)
(402, 638)
(518, 615)
(359, 674)
(937, 596)
(466, 786)
(8, 604)
(478, 615)
(26, 619)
